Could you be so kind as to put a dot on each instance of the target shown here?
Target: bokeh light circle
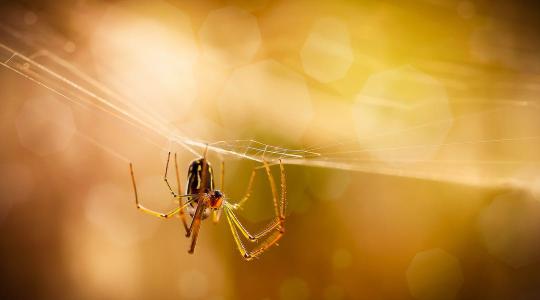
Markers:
(402, 115)
(148, 60)
(341, 259)
(30, 18)
(230, 37)
(16, 186)
(510, 228)
(45, 125)
(434, 274)
(268, 96)
(112, 211)
(327, 54)
(334, 292)
(466, 9)
(294, 289)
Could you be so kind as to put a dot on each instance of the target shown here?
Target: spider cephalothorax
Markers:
(216, 199)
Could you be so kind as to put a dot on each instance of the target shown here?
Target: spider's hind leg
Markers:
(274, 231)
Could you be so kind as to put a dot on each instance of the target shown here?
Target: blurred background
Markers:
(409, 131)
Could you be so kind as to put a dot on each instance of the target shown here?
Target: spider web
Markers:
(62, 78)
(66, 81)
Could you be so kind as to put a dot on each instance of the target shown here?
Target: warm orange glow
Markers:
(408, 133)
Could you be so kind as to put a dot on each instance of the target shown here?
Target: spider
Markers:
(203, 199)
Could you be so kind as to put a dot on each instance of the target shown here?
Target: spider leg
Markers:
(277, 207)
(273, 232)
(165, 175)
(283, 180)
(152, 212)
(252, 237)
(197, 217)
(248, 189)
(238, 241)
(259, 249)
(180, 204)
(216, 214)
(195, 226)
(222, 179)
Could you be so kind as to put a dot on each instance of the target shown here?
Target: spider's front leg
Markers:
(153, 212)
(180, 204)
(195, 226)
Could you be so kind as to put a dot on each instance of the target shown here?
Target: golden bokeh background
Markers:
(415, 124)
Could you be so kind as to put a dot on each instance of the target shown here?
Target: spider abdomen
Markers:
(200, 177)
